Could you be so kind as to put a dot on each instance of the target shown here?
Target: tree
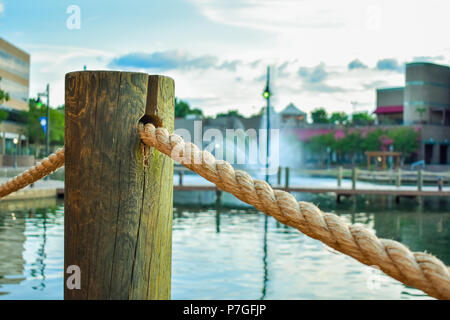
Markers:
(230, 113)
(319, 116)
(259, 113)
(362, 119)
(349, 144)
(372, 140)
(339, 118)
(421, 111)
(35, 130)
(318, 144)
(182, 109)
(4, 96)
(404, 140)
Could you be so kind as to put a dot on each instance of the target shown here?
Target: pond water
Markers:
(224, 253)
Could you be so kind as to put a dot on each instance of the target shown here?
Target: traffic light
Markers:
(266, 93)
(38, 103)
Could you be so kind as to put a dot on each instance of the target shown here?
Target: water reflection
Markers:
(28, 230)
(12, 238)
(266, 272)
(225, 253)
(38, 266)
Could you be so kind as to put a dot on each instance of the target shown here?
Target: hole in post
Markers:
(155, 120)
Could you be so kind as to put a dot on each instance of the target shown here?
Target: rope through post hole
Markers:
(416, 269)
(39, 171)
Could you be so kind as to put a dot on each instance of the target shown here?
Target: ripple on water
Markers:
(230, 254)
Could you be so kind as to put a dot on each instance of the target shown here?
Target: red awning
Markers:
(389, 109)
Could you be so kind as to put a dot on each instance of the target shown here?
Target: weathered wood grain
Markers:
(118, 212)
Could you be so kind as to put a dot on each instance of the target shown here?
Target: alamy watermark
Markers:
(236, 146)
(73, 22)
(74, 280)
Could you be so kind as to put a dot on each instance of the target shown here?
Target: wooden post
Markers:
(218, 197)
(353, 178)
(279, 175)
(19, 145)
(286, 176)
(419, 180)
(339, 176)
(399, 178)
(118, 209)
(4, 142)
(180, 177)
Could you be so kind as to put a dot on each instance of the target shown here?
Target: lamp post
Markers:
(47, 118)
(266, 95)
(15, 141)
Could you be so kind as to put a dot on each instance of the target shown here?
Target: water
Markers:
(222, 253)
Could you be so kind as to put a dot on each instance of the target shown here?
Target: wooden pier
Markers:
(337, 191)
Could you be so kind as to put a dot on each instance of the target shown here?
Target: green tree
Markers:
(350, 144)
(182, 109)
(318, 144)
(4, 96)
(421, 111)
(35, 130)
(362, 118)
(230, 113)
(319, 116)
(372, 140)
(404, 140)
(339, 118)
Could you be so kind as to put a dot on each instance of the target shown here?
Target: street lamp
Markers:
(266, 95)
(47, 118)
(15, 141)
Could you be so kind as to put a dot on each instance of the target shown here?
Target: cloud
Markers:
(268, 15)
(171, 60)
(2, 7)
(313, 75)
(390, 65)
(356, 64)
(255, 64)
(230, 65)
(322, 87)
(164, 60)
(375, 84)
(428, 58)
(313, 79)
(281, 70)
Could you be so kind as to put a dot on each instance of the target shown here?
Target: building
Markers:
(427, 94)
(291, 116)
(389, 105)
(424, 103)
(15, 74)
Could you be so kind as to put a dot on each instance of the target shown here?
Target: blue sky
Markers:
(323, 53)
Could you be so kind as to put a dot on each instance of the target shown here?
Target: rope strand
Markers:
(35, 173)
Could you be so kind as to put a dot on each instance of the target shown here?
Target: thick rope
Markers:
(415, 269)
(39, 171)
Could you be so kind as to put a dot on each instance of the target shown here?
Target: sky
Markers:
(322, 53)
